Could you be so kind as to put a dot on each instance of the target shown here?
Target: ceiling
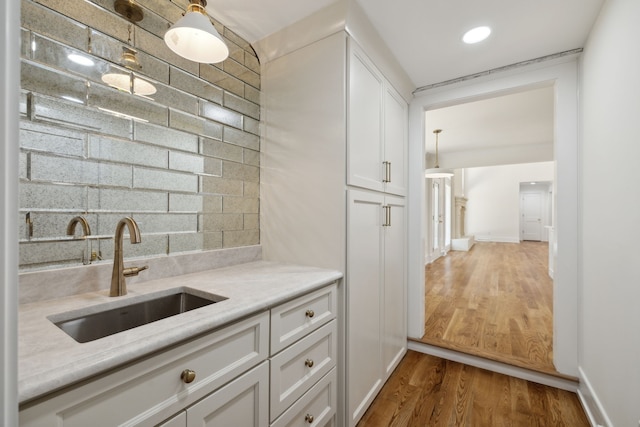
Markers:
(425, 35)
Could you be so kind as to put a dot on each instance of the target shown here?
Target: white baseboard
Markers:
(497, 239)
(592, 406)
(499, 367)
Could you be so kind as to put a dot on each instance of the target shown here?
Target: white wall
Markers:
(609, 350)
(493, 206)
(9, 90)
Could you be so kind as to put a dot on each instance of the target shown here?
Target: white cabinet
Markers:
(149, 391)
(303, 374)
(377, 128)
(331, 122)
(238, 379)
(376, 296)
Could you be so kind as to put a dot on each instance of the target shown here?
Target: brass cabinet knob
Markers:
(308, 418)
(308, 363)
(310, 314)
(187, 376)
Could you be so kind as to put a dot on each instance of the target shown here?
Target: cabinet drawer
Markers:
(297, 368)
(243, 403)
(149, 391)
(316, 408)
(295, 319)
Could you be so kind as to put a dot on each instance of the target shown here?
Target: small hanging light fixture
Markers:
(195, 38)
(436, 172)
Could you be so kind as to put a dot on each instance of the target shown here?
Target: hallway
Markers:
(495, 301)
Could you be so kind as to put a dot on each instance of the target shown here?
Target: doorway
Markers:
(562, 75)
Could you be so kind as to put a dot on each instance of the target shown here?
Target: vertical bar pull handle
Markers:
(386, 171)
(387, 216)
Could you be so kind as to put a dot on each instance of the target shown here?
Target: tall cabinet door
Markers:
(394, 297)
(364, 125)
(364, 281)
(395, 141)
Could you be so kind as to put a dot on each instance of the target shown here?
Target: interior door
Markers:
(532, 216)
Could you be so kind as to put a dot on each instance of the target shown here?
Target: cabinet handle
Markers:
(309, 314)
(187, 376)
(387, 216)
(308, 363)
(308, 418)
(387, 171)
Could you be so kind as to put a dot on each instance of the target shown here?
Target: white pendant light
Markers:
(195, 38)
(436, 172)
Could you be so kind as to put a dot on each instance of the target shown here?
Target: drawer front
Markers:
(295, 319)
(244, 402)
(316, 408)
(297, 368)
(151, 390)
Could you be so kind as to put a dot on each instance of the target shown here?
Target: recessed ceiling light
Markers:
(476, 35)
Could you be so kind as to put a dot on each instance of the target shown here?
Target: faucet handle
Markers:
(133, 271)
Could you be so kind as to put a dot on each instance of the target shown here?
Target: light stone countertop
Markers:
(49, 359)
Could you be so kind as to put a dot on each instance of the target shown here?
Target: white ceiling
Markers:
(425, 36)
(523, 118)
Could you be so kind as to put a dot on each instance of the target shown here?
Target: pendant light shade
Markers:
(195, 38)
(436, 172)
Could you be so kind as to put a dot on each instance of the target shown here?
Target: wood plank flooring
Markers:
(495, 301)
(426, 391)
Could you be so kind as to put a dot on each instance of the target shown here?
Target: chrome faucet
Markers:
(71, 227)
(118, 283)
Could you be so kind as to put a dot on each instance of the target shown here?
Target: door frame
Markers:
(563, 74)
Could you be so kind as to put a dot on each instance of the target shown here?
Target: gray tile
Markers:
(243, 106)
(240, 205)
(212, 166)
(52, 139)
(252, 94)
(222, 222)
(75, 115)
(186, 242)
(232, 239)
(165, 137)
(221, 79)
(60, 169)
(45, 21)
(126, 151)
(23, 162)
(239, 171)
(251, 62)
(47, 81)
(25, 43)
(221, 150)
(164, 180)
(220, 114)
(212, 204)
(251, 189)
(251, 157)
(195, 86)
(91, 15)
(167, 222)
(243, 139)
(251, 221)
(120, 200)
(176, 99)
(186, 162)
(212, 241)
(185, 203)
(193, 124)
(52, 197)
(242, 73)
(120, 102)
(42, 254)
(215, 185)
(155, 46)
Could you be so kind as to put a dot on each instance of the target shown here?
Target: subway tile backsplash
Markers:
(183, 161)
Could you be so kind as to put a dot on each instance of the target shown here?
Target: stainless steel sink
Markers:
(105, 320)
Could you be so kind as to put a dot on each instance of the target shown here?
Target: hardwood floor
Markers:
(426, 391)
(495, 301)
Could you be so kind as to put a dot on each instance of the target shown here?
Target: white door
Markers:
(436, 220)
(531, 216)
(394, 338)
(364, 281)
